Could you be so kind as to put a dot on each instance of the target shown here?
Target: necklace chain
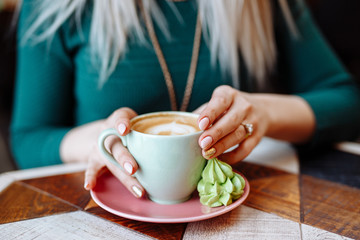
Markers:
(163, 64)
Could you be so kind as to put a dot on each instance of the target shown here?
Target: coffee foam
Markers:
(166, 124)
(172, 128)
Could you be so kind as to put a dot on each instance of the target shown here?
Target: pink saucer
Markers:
(113, 197)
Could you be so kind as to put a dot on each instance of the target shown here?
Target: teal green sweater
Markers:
(57, 85)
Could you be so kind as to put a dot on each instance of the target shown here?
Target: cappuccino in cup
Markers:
(165, 146)
(166, 124)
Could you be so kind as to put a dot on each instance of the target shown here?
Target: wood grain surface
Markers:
(273, 191)
(68, 187)
(330, 206)
(300, 198)
(20, 202)
(163, 231)
(319, 203)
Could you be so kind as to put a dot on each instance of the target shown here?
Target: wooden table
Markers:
(284, 203)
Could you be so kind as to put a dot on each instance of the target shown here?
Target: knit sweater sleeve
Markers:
(311, 70)
(43, 103)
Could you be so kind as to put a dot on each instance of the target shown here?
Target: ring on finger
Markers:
(249, 129)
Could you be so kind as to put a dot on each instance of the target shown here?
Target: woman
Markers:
(84, 66)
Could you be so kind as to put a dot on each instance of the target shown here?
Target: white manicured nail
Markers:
(204, 123)
(128, 167)
(137, 191)
(122, 128)
(86, 184)
(206, 142)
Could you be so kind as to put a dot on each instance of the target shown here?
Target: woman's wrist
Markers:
(77, 143)
(289, 117)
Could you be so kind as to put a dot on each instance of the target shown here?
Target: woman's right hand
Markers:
(80, 144)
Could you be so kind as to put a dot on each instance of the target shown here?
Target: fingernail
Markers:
(137, 191)
(204, 123)
(206, 142)
(210, 152)
(86, 185)
(128, 167)
(122, 128)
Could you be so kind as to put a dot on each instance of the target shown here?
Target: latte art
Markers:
(166, 124)
(172, 128)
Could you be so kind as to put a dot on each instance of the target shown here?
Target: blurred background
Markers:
(338, 20)
(7, 75)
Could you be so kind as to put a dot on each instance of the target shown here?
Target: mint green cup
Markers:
(169, 166)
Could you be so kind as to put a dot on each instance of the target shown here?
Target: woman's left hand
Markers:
(223, 119)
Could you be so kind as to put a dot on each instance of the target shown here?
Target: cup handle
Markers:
(101, 143)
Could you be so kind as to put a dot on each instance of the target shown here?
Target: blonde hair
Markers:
(228, 25)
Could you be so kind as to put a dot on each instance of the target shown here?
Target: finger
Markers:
(227, 142)
(121, 120)
(227, 124)
(97, 166)
(200, 109)
(242, 151)
(219, 103)
(92, 172)
(122, 156)
(129, 182)
(128, 163)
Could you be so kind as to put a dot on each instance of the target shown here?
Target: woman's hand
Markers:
(284, 117)
(81, 144)
(222, 120)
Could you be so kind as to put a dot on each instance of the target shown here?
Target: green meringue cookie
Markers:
(219, 185)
